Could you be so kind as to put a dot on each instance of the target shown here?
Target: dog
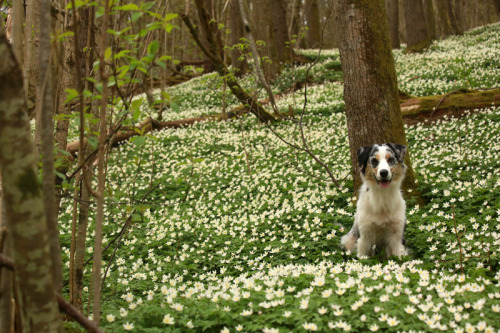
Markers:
(380, 218)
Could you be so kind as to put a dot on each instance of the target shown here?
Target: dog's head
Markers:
(382, 163)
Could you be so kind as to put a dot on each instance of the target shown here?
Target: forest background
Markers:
(80, 111)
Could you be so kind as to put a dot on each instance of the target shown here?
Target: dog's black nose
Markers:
(384, 173)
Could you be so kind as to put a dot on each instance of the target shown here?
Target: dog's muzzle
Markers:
(385, 181)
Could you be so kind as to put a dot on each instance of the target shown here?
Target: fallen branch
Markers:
(79, 317)
(416, 109)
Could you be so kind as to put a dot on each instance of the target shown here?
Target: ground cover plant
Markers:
(230, 229)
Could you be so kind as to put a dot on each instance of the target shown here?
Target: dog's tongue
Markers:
(384, 183)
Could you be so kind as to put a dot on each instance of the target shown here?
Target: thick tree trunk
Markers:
(448, 23)
(430, 19)
(24, 203)
(370, 86)
(417, 35)
(392, 10)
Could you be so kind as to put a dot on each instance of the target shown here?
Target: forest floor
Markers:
(230, 229)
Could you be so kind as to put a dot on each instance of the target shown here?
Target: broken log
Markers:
(455, 103)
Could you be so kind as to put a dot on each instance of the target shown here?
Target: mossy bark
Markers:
(24, 203)
(452, 104)
(370, 86)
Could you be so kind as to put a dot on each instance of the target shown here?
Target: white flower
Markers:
(168, 319)
(110, 318)
(128, 326)
(310, 326)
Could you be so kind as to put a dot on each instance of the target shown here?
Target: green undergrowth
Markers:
(233, 230)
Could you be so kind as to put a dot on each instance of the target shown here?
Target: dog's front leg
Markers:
(365, 247)
(395, 246)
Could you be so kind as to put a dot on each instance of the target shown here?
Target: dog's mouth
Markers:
(384, 183)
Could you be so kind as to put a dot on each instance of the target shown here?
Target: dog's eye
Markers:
(391, 160)
(374, 162)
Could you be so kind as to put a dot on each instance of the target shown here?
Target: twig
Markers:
(80, 318)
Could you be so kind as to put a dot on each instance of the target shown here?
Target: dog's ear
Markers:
(399, 151)
(363, 155)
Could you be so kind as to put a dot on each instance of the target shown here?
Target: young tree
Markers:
(370, 86)
(24, 204)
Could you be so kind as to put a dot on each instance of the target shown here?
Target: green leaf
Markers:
(139, 140)
(128, 7)
(175, 106)
(169, 17)
(107, 54)
(71, 95)
(78, 4)
(153, 47)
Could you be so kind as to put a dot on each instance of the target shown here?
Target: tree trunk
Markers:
(392, 10)
(313, 24)
(45, 109)
(212, 53)
(430, 19)
(370, 86)
(448, 23)
(6, 275)
(24, 203)
(280, 32)
(236, 26)
(417, 35)
(101, 175)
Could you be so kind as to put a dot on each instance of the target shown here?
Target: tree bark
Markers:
(392, 10)
(258, 65)
(448, 23)
(101, 175)
(417, 35)
(430, 19)
(280, 32)
(236, 26)
(6, 275)
(24, 203)
(45, 109)
(370, 85)
(313, 24)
